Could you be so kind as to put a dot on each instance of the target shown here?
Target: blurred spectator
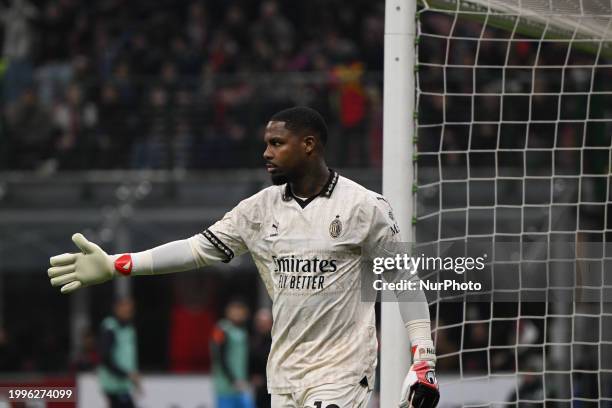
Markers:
(76, 119)
(122, 79)
(339, 50)
(235, 21)
(169, 78)
(144, 57)
(114, 140)
(222, 52)
(54, 71)
(273, 28)
(352, 103)
(197, 25)
(373, 46)
(118, 371)
(55, 26)
(188, 60)
(17, 47)
(230, 353)
(31, 131)
(154, 148)
(258, 358)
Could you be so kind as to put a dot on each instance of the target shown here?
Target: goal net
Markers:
(512, 144)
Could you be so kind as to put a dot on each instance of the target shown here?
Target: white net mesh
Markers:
(580, 20)
(513, 144)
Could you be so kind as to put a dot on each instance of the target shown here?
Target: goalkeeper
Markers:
(308, 235)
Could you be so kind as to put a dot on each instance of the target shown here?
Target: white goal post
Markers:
(398, 173)
(497, 126)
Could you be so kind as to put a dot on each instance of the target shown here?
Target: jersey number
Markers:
(319, 404)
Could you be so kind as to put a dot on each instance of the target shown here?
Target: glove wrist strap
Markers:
(423, 350)
(124, 264)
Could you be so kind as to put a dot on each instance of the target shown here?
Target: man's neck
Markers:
(312, 182)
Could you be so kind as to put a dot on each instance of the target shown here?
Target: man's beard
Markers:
(278, 179)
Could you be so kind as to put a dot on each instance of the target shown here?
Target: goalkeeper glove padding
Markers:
(89, 267)
(420, 388)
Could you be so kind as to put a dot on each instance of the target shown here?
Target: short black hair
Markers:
(301, 119)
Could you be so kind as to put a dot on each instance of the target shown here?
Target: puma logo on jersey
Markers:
(274, 230)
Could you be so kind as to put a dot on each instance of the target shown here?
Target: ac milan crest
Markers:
(335, 228)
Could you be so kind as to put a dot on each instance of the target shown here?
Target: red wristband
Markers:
(123, 264)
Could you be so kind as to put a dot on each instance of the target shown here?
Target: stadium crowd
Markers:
(183, 84)
(187, 84)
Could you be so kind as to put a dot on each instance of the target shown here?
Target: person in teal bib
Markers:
(118, 370)
(230, 355)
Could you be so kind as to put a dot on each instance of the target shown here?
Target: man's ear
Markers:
(310, 143)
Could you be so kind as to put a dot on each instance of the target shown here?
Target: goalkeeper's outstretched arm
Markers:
(92, 265)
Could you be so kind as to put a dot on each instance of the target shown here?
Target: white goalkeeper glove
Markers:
(420, 388)
(89, 267)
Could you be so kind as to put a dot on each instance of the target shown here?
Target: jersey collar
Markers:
(326, 191)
